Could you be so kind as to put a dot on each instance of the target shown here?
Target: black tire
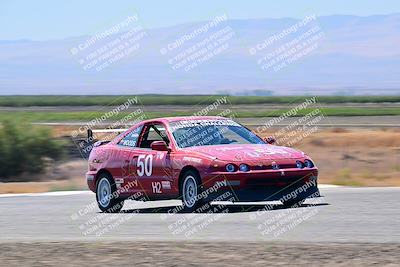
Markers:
(293, 203)
(105, 192)
(190, 187)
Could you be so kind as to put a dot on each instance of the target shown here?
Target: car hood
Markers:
(248, 152)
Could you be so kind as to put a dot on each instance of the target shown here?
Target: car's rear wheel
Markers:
(190, 190)
(106, 196)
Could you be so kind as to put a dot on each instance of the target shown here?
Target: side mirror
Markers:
(270, 140)
(159, 146)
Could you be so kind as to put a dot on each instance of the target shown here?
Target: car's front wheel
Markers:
(106, 195)
(190, 190)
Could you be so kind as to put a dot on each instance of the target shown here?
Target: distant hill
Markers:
(356, 55)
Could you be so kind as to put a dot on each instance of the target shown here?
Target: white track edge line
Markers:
(70, 193)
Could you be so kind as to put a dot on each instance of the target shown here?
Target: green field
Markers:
(107, 102)
(40, 116)
(25, 101)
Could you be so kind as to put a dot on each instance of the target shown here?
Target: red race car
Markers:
(197, 160)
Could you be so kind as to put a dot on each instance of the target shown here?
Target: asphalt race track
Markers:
(369, 215)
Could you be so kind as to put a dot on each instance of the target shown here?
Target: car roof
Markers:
(184, 118)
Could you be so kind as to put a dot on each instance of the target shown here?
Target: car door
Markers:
(153, 168)
(124, 162)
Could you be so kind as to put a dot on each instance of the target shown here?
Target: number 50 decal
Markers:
(144, 165)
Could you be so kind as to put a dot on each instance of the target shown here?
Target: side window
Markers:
(155, 136)
(131, 138)
(153, 132)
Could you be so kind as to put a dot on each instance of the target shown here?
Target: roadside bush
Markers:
(25, 150)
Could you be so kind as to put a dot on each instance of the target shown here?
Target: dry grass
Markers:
(356, 157)
(64, 177)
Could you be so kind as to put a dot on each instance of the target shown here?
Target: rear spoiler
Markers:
(91, 131)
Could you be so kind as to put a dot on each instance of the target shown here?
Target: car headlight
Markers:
(308, 163)
(244, 167)
(299, 164)
(230, 167)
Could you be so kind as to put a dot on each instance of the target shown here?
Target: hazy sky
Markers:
(52, 19)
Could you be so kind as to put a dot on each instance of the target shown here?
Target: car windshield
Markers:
(190, 133)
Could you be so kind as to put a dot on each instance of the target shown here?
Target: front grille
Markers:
(269, 167)
(272, 181)
(287, 166)
(259, 168)
(278, 182)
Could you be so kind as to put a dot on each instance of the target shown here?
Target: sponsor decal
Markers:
(191, 159)
(119, 180)
(160, 155)
(230, 148)
(268, 151)
(166, 184)
(233, 182)
(199, 123)
(156, 187)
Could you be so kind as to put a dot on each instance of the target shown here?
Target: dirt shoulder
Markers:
(198, 254)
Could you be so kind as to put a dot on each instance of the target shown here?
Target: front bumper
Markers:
(91, 181)
(266, 185)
